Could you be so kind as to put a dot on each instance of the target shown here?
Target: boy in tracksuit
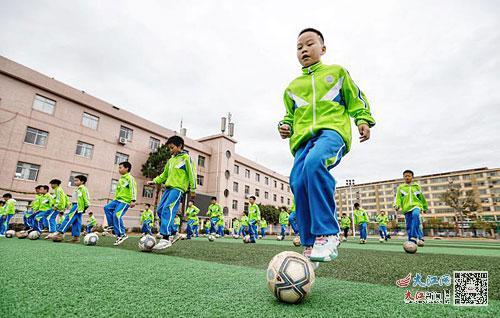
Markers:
(30, 214)
(411, 200)
(214, 213)
(206, 226)
(79, 203)
(59, 206)
(179, 176)
(125, 197)
(236, 227)
(91, 222)
(319, 104)
(361, 219)
(292, 219)
(253, 218)
(220, 227)
(283, 219)
(244, 225)
(263, 227)
(45, 205)
(147, 220)
(2, 203)
(382, 221)
(345, 224)
(192, 219)
(177, 224)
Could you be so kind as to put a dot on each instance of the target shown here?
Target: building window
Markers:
(274, 197)
(275, 184)
(247, 173)
(73, 175)
(266, 180)
(282, 186)
(114, 184)
(235, 186)
(245, 208)
(90, 121)
(199, 180)
(282, 200)
(288, 201)
(27, 171)
(266, 195)
(44, 104)
(201, 161)
(120, 157)
(147, 192)
(257, 192)
(236, 169)
(154, 143)
(235, 205)
(247, 189)
(257, 177)
(84, 149)
(126, 133)
(287, 188)
(36, 136)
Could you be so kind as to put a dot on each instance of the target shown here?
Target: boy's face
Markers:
(408, 177)
(37, 190)
(43, 191)
(251, 200)
(78, 182)
(382, 212)
(174, 149)
(190, 203)
(122, 170)
(213, 201)
(148, 207)
(310, 48)
(53, 186)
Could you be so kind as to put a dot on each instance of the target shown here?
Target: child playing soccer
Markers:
(361, 219)
(177, 224)
(382, 221)
(214, 213)
(60, 220)
(244, 224)
(345, 224)
(179, 176)
(45, 204)
(253, 218)
(91, 223)
(283, 219)
(263, 227)
(2, 210)
(79, 203)
(60, 203)
(236, 226)
(192, 219)
(29, 217)
(147, 219)
(318, 106)
(220, 227)
(411, 200)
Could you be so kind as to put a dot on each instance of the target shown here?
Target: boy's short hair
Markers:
(252, 197)
(408, 171)
(44, 186)
(314, 31)
(82, 178)
(356, 205)
(344, 213)
(148, 205)
(176, 141)
(7, 195)
(38, 187)
(127, 165)
(55, 181)
(91, 213)
(213, 198)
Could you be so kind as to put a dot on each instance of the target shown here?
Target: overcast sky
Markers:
(430, 69)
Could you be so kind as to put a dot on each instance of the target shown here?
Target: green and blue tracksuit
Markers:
(30, 214)
(319, 104)
(126, 192)
(292, 218)
(179, 175)
(253, 218)
(79, 203)
(382, 221)
(60, 201)
(147, 219)
(46, 202)
(411, 200)
(361, 219)
(263, 227)
(192, 221)
(177, 224)
(283, 219)
(345, 224)
(236, 227)
(5, 215)
(244, 225)
(215, 214)
(220, 227)
(91, 223)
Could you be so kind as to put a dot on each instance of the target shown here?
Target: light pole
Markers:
(350, 184)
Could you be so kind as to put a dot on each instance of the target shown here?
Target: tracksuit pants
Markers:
(252, 229)
(51, 220)
(146, 227)
(192, 229)
(213, 225)
(346, 232)
(167, 209)
(263, 232)
(73, 219)
(412, 219)
(28, 219)
(314, 187)
(362, 231)
(382, 230)
(293, 222)
(283, 230)
(42, 219)
(4, 225)
(115, 211)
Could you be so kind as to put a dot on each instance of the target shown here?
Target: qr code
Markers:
(470, 288)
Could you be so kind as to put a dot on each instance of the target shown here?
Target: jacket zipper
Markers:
(313, 101)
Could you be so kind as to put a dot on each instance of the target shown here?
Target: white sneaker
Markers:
(162, 244)
(307, 253)
(420, 243)
(325, 249)
(120, 240)
(174, 238)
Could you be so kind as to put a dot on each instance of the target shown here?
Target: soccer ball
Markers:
(279, 238)
(296, 241)
(246, 239)
(10, 233)
(290, 277)
(146, 243)
(217, 235)
(410, 247)
(381, 240)
(211, 238)
(236, 236)
(34, 235)
(22, 234)
(90, 239)
(260, 236)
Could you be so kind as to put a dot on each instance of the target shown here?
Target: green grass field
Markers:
(226, 278)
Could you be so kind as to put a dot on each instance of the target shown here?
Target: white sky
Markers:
(430, 70)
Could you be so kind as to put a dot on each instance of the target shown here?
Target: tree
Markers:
(463, 203)
(154, 166)
(270, 213)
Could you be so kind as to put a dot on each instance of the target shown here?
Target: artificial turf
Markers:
(218, 279)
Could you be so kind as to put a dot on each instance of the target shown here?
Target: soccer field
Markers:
(226, 278)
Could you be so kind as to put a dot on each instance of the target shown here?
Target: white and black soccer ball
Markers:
(90, 239)
(22, 234)
(246, 239)
(279, 238)
(410, 247)
(290, 277)
(211, 238)
(34, 235)
(236, 236)
(10, 233)
(146, 243)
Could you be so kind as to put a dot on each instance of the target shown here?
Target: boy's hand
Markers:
(364, 132)
(284, 131)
